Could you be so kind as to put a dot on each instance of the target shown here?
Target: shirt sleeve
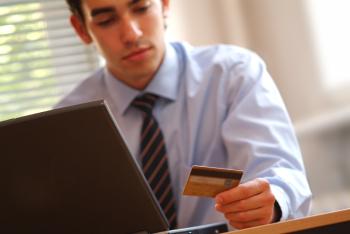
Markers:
(259, 137)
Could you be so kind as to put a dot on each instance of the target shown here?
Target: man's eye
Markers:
(105, 22)
(141, 9)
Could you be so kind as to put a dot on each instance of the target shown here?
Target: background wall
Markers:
(282, 33)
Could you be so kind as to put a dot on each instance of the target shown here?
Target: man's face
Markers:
(128, 33)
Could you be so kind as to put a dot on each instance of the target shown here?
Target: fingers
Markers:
(254, 202)
(243, 191)
(258, 209)
(247, 205)
(263, 213)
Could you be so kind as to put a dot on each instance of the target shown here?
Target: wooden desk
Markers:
(334, 222)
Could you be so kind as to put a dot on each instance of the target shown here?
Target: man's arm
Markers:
(259, 139)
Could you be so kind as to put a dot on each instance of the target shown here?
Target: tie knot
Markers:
(145, 103)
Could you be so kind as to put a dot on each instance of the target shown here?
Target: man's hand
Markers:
(247, 205)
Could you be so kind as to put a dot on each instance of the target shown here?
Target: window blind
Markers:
(41, 58)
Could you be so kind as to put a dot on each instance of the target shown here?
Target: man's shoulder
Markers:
(224, 55)
(88, 90)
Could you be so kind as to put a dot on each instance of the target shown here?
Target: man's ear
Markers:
(80, 29)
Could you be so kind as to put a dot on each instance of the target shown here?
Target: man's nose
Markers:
(130, 31)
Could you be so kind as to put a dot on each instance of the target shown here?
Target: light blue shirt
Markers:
(218, 107)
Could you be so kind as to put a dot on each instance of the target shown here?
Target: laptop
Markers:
(69, 170)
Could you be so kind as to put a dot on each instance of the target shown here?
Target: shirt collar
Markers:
(164, 84)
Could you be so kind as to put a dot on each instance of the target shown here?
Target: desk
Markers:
(335, 222)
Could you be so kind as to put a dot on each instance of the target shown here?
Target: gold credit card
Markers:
(210, 181)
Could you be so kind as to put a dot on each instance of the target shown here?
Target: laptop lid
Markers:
(69, 171)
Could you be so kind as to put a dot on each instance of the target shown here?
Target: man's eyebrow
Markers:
(133, 2)
(102, 10)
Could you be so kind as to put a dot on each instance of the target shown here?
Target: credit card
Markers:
(210, 181)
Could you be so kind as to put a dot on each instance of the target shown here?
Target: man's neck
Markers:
(139, 83)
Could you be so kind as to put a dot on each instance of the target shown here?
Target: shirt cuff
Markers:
(282, 200)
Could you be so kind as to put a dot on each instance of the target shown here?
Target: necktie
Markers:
(154, 158)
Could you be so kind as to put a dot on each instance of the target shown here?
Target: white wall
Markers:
(186, 21)
(279, 31)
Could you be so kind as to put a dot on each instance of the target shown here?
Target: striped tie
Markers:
(154, 158)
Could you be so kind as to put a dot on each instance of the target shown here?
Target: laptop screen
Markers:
(69, 171)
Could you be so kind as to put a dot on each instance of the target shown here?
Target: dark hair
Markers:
(75, 8)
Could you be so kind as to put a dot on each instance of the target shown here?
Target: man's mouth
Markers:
(137, 55)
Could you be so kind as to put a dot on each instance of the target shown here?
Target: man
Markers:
(216, 106)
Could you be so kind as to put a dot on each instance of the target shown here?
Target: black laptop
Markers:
(69, 171)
